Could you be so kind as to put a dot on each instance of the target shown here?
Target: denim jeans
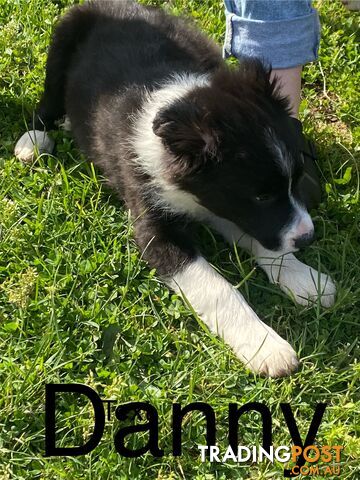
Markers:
(282, 33)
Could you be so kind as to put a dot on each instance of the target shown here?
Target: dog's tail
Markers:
(70, 32)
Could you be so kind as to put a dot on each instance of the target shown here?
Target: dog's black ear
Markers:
(187, 132)
(250, 75)
(250, 72)
(256, 73)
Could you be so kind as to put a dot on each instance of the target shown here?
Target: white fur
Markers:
(301, 225)
(32, 141)
(150, 151)
(281, 154)
(225, 311)
(294, 277)
(300, 280)
(66, 124)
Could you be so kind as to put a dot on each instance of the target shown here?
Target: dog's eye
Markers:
(264, 197)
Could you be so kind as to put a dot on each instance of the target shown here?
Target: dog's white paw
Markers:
(256, 344)
(32, 141)
(306, 284)
(271, 357)
(66, 124)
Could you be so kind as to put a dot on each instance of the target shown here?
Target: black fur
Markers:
(104, 60)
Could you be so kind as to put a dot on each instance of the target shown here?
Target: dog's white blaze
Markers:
(300, 225)
(281, 154)
(282, 159)
(150, 152)
(225, 312)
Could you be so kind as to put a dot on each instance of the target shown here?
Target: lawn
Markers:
(78, 304)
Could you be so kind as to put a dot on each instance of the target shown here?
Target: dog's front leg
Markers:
(226, 313)
(222, 308)
(297, 279)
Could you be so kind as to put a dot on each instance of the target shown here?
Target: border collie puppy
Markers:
(181, 137)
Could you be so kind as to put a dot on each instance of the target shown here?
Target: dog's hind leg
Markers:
(31, 142)
(69, 33)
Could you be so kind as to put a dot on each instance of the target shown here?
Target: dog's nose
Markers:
(304, 240)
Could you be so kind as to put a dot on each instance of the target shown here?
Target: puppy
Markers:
(181, 137)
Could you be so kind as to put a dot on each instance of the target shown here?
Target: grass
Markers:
(78, 304)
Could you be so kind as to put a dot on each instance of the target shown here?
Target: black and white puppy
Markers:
(182, 137)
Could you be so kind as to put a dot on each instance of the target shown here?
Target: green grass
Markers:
(77, 303)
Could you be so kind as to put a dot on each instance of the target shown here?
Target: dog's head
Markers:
(232, 145)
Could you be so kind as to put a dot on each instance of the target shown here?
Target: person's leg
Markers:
(351, 4)
(290, 84)
(283, 33)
